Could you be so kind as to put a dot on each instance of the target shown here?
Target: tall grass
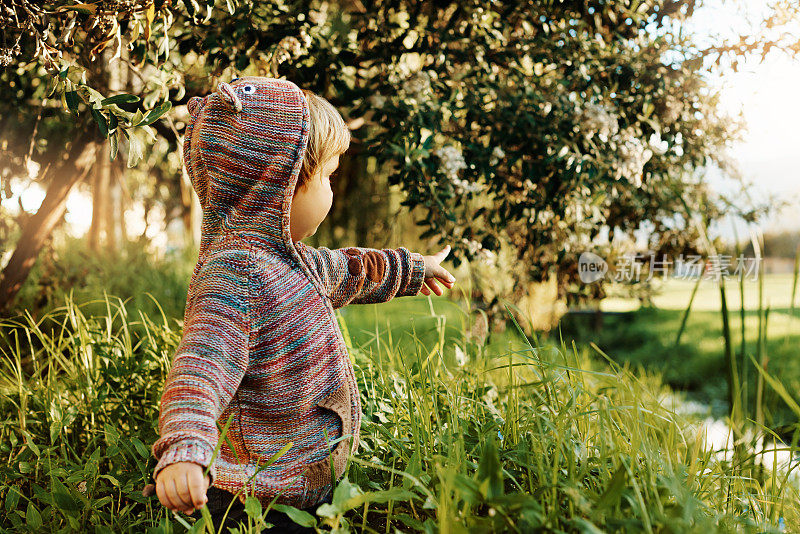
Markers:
(536, 438)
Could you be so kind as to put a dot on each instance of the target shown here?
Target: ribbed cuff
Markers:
(193, 450)
(417, 276)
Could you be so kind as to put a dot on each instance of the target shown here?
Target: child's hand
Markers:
(181, 487)
(434, 272)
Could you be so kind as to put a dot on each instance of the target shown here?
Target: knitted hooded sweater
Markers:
(261, 344)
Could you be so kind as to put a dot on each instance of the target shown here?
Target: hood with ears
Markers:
(243, 150)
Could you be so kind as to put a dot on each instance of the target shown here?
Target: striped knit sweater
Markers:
(261, 343)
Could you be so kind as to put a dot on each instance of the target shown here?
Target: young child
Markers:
(261, 343)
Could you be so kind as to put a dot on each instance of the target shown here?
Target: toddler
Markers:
(261, 344)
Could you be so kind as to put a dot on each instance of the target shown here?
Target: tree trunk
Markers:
(94, 228)
(101, 230)
(124, 200)
(37, 229)
(112, 204)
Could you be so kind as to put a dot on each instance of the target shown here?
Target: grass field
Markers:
(674, 294)
(512, 436)
(647, 337)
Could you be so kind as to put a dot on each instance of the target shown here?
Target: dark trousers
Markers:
(219, 499)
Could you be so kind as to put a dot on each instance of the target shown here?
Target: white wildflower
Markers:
(290, 47)
(82, 486)
(633, 155)
(418, 85)
(497, 155)
(305, 38)
(487, 257)
(452, 161)
(377, 101)
(472, 245)
(658, 145)
(598, 119)
(461, 358)
(672, 109)
(463, 186)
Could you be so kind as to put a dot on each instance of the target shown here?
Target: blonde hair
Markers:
(328, 136)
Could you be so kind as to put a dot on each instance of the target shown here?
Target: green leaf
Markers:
(135, 150)
(613, 492)
(113, 479)
(585, 526)
(137, 118)
(140, 448)
(300, 517)
(490, 472)
(91, 95)
(102, 502)
(62, 496)
(72, 100)
(112, 436)
(113, 140)
(253, 507)
(347, 496)
(122, 98)
(113, 122)
(33, 518)
(12, 498)
(779, 388)
(206, 514)
(55, 430)
(100, 119)
(156, 113)
(31, 445)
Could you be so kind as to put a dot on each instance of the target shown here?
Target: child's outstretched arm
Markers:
(359, 275)
(208, 366)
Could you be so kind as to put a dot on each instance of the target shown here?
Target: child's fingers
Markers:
(197, 487)
(424, 290)
(175, 495)
(162, 494)
(445, 276)
(434, 286)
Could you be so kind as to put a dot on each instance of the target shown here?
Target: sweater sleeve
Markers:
(207, 368)
(358, 275)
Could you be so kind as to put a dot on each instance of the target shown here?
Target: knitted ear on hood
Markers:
(229, 96)
(195, 105)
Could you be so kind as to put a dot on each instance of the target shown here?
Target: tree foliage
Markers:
(549, 127)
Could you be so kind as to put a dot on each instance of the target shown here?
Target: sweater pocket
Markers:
(318, 474)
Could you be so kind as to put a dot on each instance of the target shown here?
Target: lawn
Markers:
(647, 337)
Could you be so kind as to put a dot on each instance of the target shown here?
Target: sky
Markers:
(765, 93)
